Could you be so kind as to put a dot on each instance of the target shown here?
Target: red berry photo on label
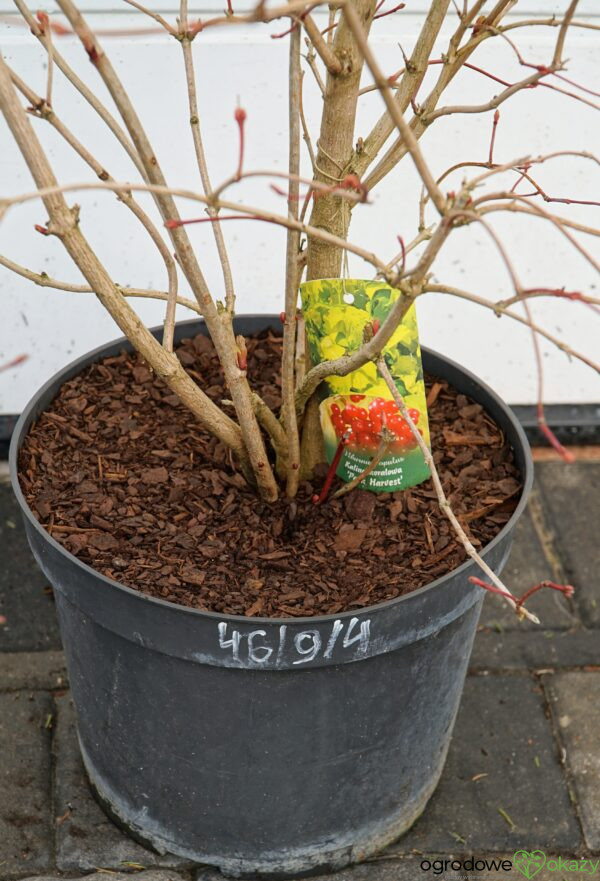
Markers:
(360, 421)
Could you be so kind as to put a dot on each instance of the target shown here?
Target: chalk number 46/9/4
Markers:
(305, 646)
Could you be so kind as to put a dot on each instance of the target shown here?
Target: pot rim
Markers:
(60, 377)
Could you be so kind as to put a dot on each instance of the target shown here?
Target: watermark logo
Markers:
(529, 863)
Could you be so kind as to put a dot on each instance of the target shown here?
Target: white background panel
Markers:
(53, 327)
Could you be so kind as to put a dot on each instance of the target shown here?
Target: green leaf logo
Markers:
(529, 863)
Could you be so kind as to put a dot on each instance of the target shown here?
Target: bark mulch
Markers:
(122, 476)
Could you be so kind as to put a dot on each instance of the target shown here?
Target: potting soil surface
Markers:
(120, 473)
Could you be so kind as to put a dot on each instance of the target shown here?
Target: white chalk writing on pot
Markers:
(255, 647)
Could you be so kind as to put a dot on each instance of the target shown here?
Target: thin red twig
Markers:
(540, 68)
(320, 498)
(524, 174)
(540, 192)
(390, 11)
(544, 70)
(554, 442)
(566, 79)
(377, 8)
(281, 192)
(562, 294)
(403, 249)
(350, 182)
(503, 593)
(521, 177)
(567, 589)
(240, 118)
(61, 30)
(14, 363)
(493, 137)
(173, 224)
(285, 33)
(296, 23)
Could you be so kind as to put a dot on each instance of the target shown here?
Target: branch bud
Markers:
(370, 329)
(242, 353)
(353, 182)
(43, 19)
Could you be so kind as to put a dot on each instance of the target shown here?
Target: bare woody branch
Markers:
(498, 309)
(453, 60)
(342, 177)
(83, 90)
(154, 15)
(311, 60)
(334, 149)
(414, 73)
(42, 109)
(512, 205)
(557, 58)
(305, 130)
(219, 325)
(444, 504)
(186, 45)
(492, 104)
(405, 131)
(321, 47)
(45, 281)
(534, 209)
(335, 144)
(249, 211)
(44, 21)
(292, 273)
(64, 224)
(566, 455)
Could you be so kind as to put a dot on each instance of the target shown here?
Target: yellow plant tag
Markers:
(355, 408)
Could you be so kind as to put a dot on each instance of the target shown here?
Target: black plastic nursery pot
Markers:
(276, 747)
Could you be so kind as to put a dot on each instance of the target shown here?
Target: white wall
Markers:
(54, 327)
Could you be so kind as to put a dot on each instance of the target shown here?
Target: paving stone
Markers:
(415, 868)
(25, 816)
(31, 623)
(527, 566)
(571, 495)
(490, 867)
(153, 875)
(32, 670)
(402, 869)
(539, 650)
(86, 839)
(575, 700)
(501, 732)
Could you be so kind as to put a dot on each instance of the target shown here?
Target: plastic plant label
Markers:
(356, 408)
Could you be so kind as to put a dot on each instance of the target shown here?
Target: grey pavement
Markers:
(523, 770)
